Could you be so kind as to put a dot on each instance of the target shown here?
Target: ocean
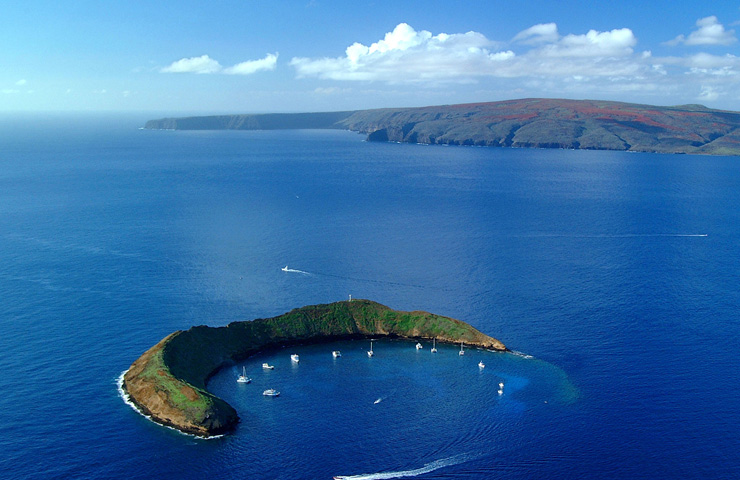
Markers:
(612, 276)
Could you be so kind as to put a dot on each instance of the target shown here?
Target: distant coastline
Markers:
(525, 123)
(168, 382)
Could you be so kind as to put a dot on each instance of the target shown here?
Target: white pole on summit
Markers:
(350, 297)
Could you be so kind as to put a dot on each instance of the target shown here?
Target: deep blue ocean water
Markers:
(617, 273)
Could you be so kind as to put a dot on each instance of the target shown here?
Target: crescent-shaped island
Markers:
(168, 382)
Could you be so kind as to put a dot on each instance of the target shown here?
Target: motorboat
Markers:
(243, 378)
(285, 268)
(271, 392)
(418, 346)
(294, 358)
(481, 364)
(267, 366)
(336, 353)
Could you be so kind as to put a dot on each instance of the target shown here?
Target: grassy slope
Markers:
(169, 380)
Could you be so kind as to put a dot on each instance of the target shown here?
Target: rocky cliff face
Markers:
(168, 382)
(552, 123)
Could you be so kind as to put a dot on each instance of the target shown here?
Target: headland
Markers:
(168, 382)
(522, 123)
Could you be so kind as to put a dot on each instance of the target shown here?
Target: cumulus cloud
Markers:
(709, 32)
(205, 64)
(407, 56)
(615, 43)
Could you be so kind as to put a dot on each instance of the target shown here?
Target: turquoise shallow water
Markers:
(616, 272)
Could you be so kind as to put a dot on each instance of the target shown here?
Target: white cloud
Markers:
(409, 56)
(541, 33)
(9, 91)
(252, 66)
(202, 64)
(709, 32)
(20, 82)
(708, 94)
(541, 61)
(205, 64)
(405, 55)
(616, 43)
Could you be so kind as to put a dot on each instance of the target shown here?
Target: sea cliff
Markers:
(168, 382)
(523, 123)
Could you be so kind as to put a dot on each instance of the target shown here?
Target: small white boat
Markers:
(336, 353)
(267, 366)
(271, 392)
(501, 385)
(434, 346)
(418, 346)
(285, 268)
(481, 364)
(370, 352)
(294, 358)
(243, 378)
(462, 349)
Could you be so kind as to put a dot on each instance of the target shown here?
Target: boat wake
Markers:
(293, 270)
(429, 467)
(615, 235)
(521, 354)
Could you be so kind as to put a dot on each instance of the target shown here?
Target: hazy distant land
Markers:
(534, 122)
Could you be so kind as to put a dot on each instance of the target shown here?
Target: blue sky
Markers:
(244, 56)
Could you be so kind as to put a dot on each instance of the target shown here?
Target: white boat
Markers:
(370, 352)
(418, 346)
(481, 364)
(267, 366)
(434, 346)
(271, 392)
(294, 358)
(336, 353)
(285, 268)
(243, 378)
(462, 350)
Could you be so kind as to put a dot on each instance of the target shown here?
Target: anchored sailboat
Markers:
(243, 378)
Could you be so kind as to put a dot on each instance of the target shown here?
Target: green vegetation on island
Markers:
(525, 123)
(168, 382)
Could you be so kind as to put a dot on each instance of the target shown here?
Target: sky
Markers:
(256, 56)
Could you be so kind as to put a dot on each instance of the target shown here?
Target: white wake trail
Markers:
(429, 467)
